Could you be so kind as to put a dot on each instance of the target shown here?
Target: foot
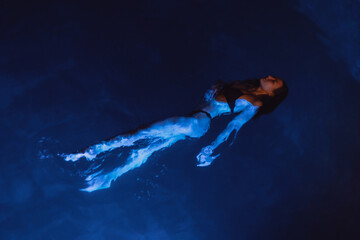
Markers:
(97, 181)
(89, 155)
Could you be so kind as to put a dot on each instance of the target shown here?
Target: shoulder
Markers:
(220, 98)
(252, 100)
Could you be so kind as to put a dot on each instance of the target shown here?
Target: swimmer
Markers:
(244, 99)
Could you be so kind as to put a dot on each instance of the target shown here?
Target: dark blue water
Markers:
(74, 74)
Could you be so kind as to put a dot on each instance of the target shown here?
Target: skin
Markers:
(165, 133)
(267, 86)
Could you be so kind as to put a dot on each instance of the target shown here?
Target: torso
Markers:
(249, 98)
(217, 108)
(219, 105)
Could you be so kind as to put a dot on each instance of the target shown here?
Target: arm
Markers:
(205, 157)
(214, 92)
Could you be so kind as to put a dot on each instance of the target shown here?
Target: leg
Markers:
(138, 157)
(194, 126)
(177, 129)
(91, 152)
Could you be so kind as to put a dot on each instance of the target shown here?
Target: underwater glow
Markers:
(162, 135)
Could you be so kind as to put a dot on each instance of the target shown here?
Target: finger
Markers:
(203, 164)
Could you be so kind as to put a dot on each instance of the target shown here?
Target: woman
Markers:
(247, 99)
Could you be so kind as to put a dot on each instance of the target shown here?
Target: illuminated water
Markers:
(74, 75)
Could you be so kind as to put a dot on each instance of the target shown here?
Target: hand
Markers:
(204, 158)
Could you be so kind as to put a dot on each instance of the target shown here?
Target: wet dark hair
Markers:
(269, 102)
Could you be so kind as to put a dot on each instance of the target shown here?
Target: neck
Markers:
(260, 91)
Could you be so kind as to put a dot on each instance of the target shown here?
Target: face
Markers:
(270, 83)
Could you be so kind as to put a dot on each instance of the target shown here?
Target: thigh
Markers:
(167, 128)
(199, 124)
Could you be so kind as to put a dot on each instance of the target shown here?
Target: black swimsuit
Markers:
(200, 111)
(230, 94)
